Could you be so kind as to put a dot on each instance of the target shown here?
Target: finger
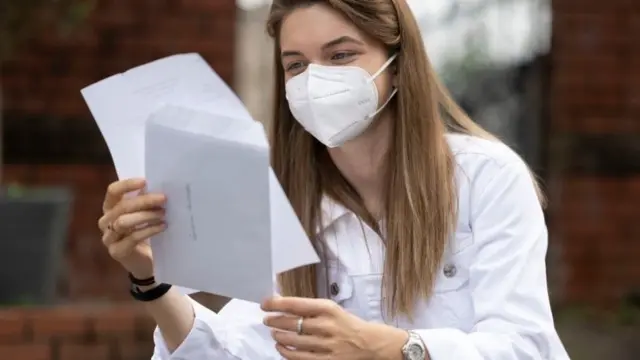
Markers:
(283, 322)
(118, 189)
(124, 247)
(293, 354)
(300, 306)
(301, 342)
(102, 224)
(135, 221)
(109, 237)
(147, 202)
(108, 219)
(310, 326)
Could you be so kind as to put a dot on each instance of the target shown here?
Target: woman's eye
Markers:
(341, 56)
(294, 65)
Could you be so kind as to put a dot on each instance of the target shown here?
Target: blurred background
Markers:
(559, 80)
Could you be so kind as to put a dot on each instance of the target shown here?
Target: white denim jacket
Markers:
(490, 302)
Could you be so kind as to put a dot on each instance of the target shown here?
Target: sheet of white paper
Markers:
(122, 103)
(290, 246)
(230, 224)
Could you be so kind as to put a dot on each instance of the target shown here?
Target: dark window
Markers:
(50, 140)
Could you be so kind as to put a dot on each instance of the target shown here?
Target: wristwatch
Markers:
(414, 348)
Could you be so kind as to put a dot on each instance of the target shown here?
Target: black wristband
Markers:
(150, 295)
(142, 282)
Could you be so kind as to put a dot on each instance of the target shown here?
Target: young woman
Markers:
(431, 231)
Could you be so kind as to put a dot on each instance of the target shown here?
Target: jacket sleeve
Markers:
(513, 319)
(235, 333)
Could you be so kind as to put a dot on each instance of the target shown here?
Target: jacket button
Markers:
(335, 289)
(450, 270)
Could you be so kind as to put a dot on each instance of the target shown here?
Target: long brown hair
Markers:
(421, 200)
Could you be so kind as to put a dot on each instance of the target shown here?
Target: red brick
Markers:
(600, 232)
(114, 14)
(71, 351)
(120, 320)
(592, 87)
(590, 33)
(593, 6)
(12, 326)
(135, 350)
(67, 322)
(218, 7)
(26, 352)
(117, 326)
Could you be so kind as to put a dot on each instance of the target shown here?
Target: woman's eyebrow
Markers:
(337, 41)
(341, 40)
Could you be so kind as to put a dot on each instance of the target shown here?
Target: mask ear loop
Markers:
(393, 92)
(383, 67)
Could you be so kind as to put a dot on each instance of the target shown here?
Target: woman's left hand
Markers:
(329, 332)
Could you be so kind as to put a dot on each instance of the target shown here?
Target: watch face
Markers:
(415, 352)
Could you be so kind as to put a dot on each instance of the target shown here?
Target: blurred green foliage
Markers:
(21, 19)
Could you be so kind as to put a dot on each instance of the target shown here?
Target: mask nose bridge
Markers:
(322, 75)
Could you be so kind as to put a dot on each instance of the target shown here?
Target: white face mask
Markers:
(335, 103)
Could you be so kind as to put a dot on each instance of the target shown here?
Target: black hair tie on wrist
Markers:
(142, 282)
(152, 294)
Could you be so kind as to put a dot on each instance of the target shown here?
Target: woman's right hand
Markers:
(128, 222)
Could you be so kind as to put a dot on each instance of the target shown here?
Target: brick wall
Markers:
(47, 74)
(594, 157)
(50, 138)
(76, 333)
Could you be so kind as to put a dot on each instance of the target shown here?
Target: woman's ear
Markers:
(393, 70)
(394, 75)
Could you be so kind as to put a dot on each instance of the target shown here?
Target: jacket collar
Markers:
(331, 211)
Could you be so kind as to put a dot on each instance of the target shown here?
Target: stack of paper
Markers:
(230, 225)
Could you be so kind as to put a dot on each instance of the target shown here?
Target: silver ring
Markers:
(299, 326)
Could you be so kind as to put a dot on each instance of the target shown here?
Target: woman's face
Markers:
(321, 35)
